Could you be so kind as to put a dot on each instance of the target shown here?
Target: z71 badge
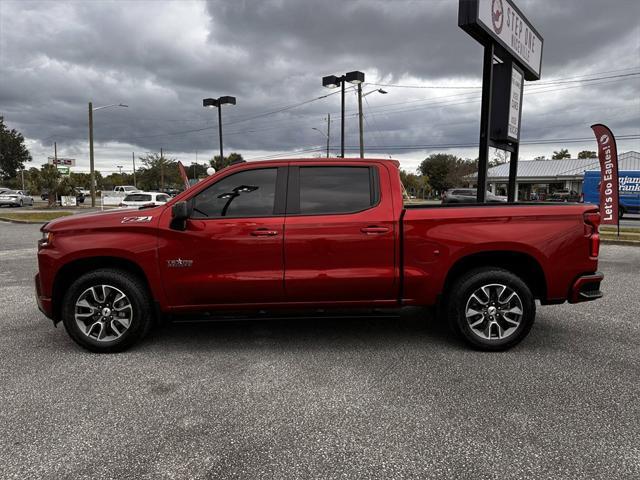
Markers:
(145, 219)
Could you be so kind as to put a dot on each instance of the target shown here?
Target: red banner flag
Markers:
(183, 174)
(608, 155)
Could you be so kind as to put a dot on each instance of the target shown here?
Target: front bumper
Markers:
(45, 305)
(586, 288)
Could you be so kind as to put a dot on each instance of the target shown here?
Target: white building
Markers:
(543, 177)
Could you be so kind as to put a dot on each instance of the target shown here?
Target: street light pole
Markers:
(220, 131)
(332, 81)
(133, 159)
(360, 120)
(361, 115)
(91, 162)
(328, 132)
(218, 102)
(342, 120)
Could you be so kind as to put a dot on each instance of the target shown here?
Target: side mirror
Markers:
(180, 213)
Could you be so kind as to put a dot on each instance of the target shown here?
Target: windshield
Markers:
(137, 197)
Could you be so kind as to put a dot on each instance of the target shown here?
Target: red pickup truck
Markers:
(309, 234)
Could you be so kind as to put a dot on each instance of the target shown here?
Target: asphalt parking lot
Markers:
(331, 398)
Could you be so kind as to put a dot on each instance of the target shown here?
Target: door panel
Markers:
(339, 256)
(232, 262)
(231, 250)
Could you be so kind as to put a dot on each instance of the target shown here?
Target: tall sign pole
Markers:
(485, 123)
(512, 54)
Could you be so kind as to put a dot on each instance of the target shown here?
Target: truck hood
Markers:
(120, 218)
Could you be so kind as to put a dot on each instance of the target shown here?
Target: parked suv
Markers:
(468, 195)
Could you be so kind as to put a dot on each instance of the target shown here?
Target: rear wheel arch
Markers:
(76, 268)
(520, 264)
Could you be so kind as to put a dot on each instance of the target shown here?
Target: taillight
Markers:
(591, 224)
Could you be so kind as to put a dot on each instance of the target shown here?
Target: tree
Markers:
(417, 185)
(219, 164)
(49, 180)
(82, 180)
(559, 155)
(542, 157)
(13, 152)
(445, 171)
(587, 154)
(158, 172)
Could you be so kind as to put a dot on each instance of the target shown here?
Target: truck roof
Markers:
(329, 160)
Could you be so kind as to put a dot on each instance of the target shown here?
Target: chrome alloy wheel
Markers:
(103, 313)
(494, 312)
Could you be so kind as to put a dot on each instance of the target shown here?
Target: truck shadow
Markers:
(408, 326)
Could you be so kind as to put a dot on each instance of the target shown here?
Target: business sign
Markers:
(629, 185)
(608, 156)
(515, 103)
(506, 96)
(501, 22)
(69, 162)
(63, 170)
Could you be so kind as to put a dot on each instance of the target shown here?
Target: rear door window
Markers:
(327, 190)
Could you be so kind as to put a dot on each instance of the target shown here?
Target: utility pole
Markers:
(55, 162)
(91, 164)
(328, 132)
(161, 170)
(342, 121)
(133, 158)
(360, 120)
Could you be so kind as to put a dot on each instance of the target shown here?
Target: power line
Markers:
(536, 83)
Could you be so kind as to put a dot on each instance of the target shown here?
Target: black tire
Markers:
(140, 307)
(491, 323)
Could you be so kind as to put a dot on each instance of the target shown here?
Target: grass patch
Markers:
(33, 216)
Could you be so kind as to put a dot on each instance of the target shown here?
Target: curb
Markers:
(609, 241)
(13, 220)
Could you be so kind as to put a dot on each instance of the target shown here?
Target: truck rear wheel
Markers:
(106, 310)
(491, 309)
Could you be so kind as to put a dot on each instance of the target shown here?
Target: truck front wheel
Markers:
(106, 310)
(491, 309)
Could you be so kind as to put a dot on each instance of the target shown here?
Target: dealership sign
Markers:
(507, 92)
(501, 22)
(68, 162)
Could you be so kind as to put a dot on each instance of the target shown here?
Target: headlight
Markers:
(46, 240)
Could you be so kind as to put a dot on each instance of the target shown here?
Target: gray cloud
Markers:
(162, 58)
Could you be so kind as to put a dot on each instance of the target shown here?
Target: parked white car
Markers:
(125, 189)
(15, 198)
(144, 199)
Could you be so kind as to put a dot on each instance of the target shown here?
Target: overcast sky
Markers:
(162, 57)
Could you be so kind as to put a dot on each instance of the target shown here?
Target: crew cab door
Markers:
(340, 234)
(231, 250)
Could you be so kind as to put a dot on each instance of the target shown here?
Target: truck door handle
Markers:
(373, 229)
(263, 232)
